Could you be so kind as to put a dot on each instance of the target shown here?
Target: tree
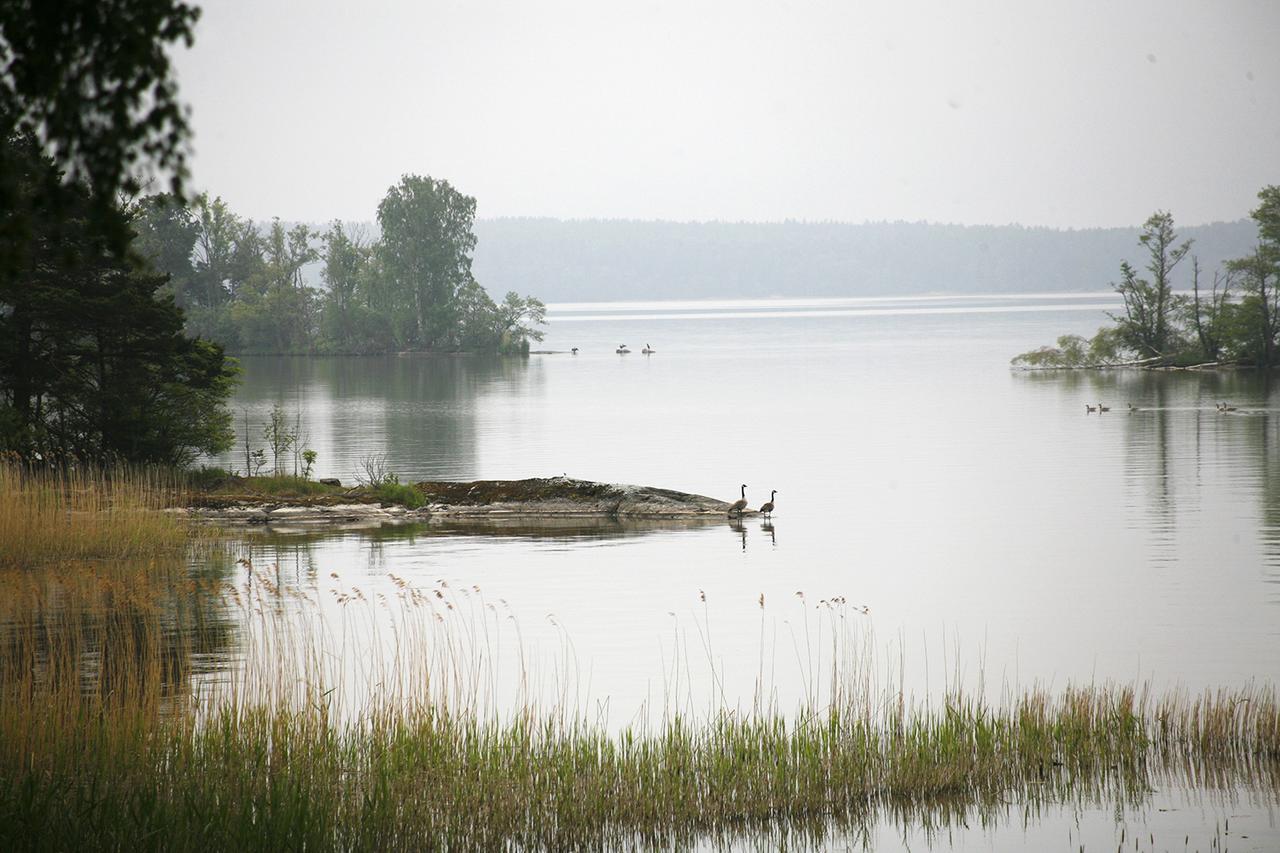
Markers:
(1210, 316)
(1149, 304)
(517, 319)
(91, 80)
(1257, 317)
(93, 360)
(166, 236)
(425, 254)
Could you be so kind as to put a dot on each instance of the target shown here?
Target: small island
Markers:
(1234, 322)
(239, 500)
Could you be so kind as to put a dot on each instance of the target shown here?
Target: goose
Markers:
(740, 504)
(1089, 409)
(1102, 408)
(767, 509)
(574, 350)
(622, 349)
(1133, 408)
(648, 350)
(1224, 408)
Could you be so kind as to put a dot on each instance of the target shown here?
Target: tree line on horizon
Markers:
(1230, 317)
(411, 289)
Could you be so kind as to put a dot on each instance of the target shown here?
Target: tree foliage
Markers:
(412, 289)
(1237, 319)
(91, 80)
(94, 363)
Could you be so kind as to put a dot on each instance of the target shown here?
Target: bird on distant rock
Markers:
(740, 504)
(767, 509)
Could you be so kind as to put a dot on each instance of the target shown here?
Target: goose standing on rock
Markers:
(740, 504)
(622, 349)
(767, 509)
(648, 350)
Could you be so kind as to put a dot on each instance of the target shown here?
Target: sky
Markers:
(1065, 114)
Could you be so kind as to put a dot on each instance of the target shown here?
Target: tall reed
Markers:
(311, 743)
(51, 515)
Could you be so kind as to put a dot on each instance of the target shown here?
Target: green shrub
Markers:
(395, 492)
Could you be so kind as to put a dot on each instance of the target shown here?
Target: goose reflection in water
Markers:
(736, 525)
(767, 527)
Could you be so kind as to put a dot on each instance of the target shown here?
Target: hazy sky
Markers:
(1064, 114)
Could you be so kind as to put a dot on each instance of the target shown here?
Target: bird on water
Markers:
(622, 349)
(767, 509)
(1089, 409)
(1102, 408)
(740, 504)
(648, 350)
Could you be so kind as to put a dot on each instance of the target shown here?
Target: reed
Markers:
(286, 753)
(52, 515)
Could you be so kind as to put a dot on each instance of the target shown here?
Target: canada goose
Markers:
(1133, 408)
(648, 350)
(574, 350)
(1224, 408)
(1102, 408)
(1088, 410)
(767, 509)
(740, 504)
(622, 349)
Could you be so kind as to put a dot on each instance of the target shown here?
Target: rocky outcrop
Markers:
(563, 497)
(479, 500)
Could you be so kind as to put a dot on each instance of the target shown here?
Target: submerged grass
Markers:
(111, 737)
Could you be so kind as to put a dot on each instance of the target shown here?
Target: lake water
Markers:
(997, 536)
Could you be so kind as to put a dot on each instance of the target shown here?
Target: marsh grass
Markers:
(314, 742)
(53, 515)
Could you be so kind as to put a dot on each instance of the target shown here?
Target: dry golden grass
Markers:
(52, 515)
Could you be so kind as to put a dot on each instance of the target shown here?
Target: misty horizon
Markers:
(1074, 116)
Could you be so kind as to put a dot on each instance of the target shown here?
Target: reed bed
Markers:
(51, 515)
(113, 735)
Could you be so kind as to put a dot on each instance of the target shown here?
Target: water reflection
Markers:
(421, 411)
(123, 633)
(1176, 446)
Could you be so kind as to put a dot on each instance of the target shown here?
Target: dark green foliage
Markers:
(90, 81)
(426, 257)
(410, 290)
(93, 359)
(1236, 319)
(1149, 304)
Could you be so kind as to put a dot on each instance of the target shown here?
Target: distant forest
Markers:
(587, 260)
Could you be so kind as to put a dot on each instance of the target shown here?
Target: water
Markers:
(998, 536)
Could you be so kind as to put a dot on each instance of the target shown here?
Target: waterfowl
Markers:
(740, 504)
(1102, 408)
(1088, 410)
(574, 350)
(622, 349)
(1224, 408)
(1133, 408)
(648, 350)
(767, 509)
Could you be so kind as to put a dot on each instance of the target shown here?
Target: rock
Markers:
(330, 481)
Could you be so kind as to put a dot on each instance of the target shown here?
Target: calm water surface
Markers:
(998, 535)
